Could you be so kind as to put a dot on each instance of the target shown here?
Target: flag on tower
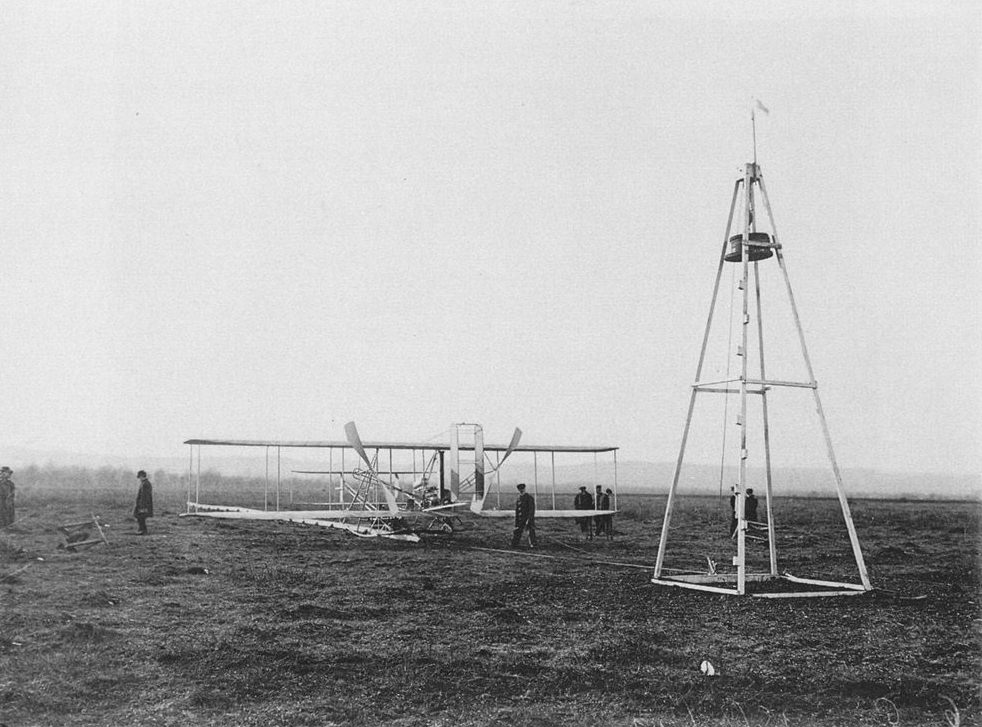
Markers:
(761, 106)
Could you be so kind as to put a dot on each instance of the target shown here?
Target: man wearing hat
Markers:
(598, 519)
(524, 517)
(584, 501)
(144, 503)
(606, 521)
(6, 497)
(750, 506)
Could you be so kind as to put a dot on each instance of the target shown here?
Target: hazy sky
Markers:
(263, 219)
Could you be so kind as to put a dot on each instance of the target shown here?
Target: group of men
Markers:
(599, 524)
(590, 526)
(143, 509)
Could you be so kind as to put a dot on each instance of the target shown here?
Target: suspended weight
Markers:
(753, 252)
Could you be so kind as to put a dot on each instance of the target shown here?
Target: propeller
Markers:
(354, 439)
(511, 447)
(351, 432)
(515, 438)
(476, 504)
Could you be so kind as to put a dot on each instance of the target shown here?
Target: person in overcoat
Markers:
(606, 521)
(144, 503)
(750, 506)
(6, 497)
(524, 517)
(584, 501)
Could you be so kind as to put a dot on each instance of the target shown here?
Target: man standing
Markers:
(524, 517)
(598, 520)
(758, 529)
(608, 520)
(144, 503)
(584, 501)
(6, 496)
(750, 507)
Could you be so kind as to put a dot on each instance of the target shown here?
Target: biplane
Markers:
(374, 501)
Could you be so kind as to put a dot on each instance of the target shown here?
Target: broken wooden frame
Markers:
(83, 526)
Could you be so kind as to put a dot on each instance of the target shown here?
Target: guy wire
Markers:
(726, 397)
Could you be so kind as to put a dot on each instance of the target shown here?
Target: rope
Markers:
(535, 554)
(726, 400)
(556, 557)
(439, 435)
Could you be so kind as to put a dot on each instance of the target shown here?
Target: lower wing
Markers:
(245, 513)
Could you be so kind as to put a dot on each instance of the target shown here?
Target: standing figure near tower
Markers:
(524, 517)
(733, 520)
(750, 506)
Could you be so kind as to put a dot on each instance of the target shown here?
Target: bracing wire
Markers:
(726, 396)
(443, 433)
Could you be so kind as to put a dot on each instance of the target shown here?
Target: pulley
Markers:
(758, 247)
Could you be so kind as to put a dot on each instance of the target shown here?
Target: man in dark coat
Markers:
(750, 506)
(144, 503)
(524, 517)
(598, 519)
(6, 497)
(607, 521)
(584, 501)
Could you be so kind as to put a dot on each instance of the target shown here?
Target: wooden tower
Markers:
(750, 249)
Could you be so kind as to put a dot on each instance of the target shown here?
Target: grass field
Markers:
(235, 623)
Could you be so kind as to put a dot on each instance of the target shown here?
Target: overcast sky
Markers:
(263, 219)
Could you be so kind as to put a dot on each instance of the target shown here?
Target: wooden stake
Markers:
(99, 528)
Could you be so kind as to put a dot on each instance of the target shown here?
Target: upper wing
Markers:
(397, 445)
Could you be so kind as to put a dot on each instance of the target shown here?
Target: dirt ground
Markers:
(207, 622)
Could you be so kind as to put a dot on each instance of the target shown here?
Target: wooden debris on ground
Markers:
(80, 534)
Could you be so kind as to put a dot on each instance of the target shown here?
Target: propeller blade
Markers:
(390, 499)
(478, 504)
(439, 508)
(408, 493)
(351, 432)
(511, 446)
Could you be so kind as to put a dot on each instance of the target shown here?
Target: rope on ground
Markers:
(14, 572)
(534, 554)
(567, 545)
(21, 519)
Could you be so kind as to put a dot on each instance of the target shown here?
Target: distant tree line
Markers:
(170, 489)
(85, 479)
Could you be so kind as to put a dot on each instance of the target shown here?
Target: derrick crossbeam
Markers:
(765, 383)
